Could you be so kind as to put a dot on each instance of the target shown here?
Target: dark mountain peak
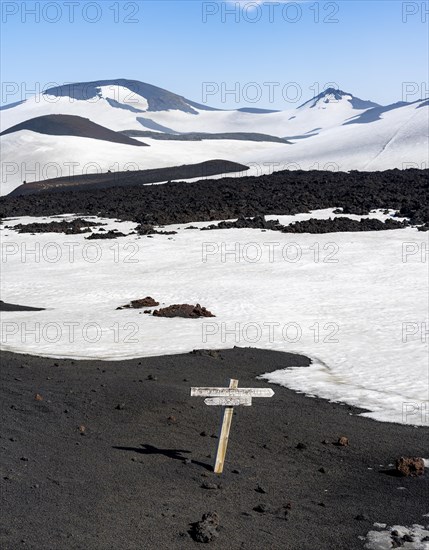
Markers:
(335, 95)
(158, 99)
(336, 92)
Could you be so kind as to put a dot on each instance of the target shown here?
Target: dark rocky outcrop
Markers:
(337, 225)
(113, 234)
(141, 303)
(424, 227)
(73, 227)
(283, 192)
(183, 310)
(147, 229)
(257, 222)
(331, 225)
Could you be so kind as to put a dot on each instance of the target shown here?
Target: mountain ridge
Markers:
(159, 98)
(332, 131)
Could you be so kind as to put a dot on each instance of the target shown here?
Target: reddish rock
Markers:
(183, 310)
(410, 466)
(144, 302)
(343, 442)
(138, 304)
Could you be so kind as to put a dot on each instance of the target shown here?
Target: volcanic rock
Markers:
(283, 192)
(312, 225)
(183, 310)
(114, 234)
(206, 530)
(73, 227)
(142, 302)
(410, 466)
(258, 222)
(147, 229)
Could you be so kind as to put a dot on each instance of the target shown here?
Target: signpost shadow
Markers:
(174, 454)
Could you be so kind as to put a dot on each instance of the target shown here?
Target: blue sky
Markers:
(370, 48)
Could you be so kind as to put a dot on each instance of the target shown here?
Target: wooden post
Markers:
(228, 398)
(224, 433)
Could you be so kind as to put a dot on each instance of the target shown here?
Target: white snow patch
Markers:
(124, 96)
(343, 302)
(382, 540)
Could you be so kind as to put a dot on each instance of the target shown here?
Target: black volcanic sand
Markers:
(4, 306)
(94, 458)
(200, 136)
(71, 125)
(129, 178)
(283, 192)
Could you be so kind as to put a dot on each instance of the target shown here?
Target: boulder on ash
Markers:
(410, 466)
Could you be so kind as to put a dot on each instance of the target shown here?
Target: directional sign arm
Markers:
(231, 392)
(229, 401)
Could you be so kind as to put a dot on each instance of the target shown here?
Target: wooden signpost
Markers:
(228, 398)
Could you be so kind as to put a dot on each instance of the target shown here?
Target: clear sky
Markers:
(203, 49)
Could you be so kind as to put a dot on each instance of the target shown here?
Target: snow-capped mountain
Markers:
(332, 96)
(104, 120)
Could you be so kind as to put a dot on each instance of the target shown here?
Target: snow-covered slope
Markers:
(399, 138)
(38, 157)
(334, 130)
(364, 332)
